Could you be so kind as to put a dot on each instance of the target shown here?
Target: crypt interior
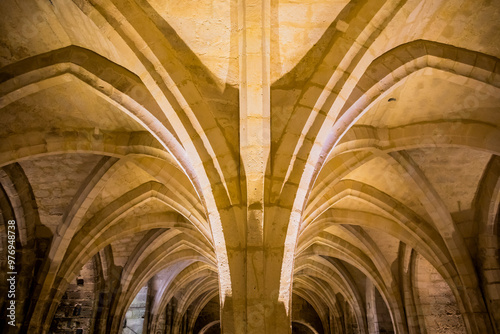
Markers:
(250, 166)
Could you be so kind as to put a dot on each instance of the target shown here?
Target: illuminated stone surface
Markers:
(251, 166)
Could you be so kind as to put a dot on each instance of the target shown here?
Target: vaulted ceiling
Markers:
(120, 140)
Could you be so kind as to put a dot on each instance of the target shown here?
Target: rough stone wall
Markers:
(160, 327)
(351, 327)
(75, 311)
(435, 301)
(383, 316)
(223, 140)
(53, 194)
(134, 318)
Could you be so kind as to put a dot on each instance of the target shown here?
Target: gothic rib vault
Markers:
(251, 166)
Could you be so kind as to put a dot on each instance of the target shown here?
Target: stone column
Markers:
(254, 262)
(371, 307)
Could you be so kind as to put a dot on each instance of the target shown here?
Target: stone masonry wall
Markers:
(75, 311)
(134, 318)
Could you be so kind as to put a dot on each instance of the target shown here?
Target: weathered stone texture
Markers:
(250, 166)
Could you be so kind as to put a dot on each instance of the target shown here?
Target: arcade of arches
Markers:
(250, 166)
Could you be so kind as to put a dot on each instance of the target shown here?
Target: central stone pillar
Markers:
(254, 306)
